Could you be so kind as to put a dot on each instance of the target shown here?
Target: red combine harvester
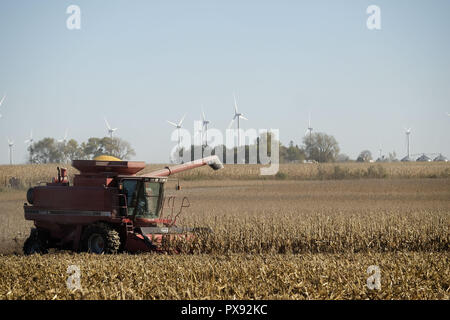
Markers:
(107, 209)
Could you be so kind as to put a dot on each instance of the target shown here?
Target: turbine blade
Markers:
(231, 123)
(203, 115)
(235, 104)
(2, 99)
(107, 124)
(182, 119)
(174, 124)
(242, 117)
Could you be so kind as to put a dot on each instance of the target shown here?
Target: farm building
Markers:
(423, 158)
(406, 159)
(440, 157)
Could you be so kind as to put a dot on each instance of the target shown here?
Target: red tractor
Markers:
(108, 208)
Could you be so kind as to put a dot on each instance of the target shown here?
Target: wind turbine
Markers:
(10, 144)
(309, 129)
(408, 132)
(178, 126)
(30, 141)
(237, 115)
(1, 101)
(205, 125)
(110, 130)
(381, 157)
(65, 137)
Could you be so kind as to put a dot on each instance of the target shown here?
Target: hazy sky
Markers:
(140, 63)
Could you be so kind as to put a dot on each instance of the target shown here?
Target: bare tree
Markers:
(48, 150)
(321, 147)
(364, 156)
(117, 147)
(342, 157)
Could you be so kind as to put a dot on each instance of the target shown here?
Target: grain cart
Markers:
(107, 209)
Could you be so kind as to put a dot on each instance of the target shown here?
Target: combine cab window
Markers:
(129, 187)
(152, 191)
(143, 198)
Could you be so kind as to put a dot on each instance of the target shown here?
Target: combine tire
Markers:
(35, 243)
(100, 238)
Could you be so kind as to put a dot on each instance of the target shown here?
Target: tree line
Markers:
(316, 147)
(49, 150)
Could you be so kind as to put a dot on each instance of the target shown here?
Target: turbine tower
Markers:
(1, 101)
(309, 129)
(205, 126)
(408, 132)
(10, 144)
(110, 130)
(30, 141)
(237, 115)
(178, 126)
(65, 137)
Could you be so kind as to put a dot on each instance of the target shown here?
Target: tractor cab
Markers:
(141, 197)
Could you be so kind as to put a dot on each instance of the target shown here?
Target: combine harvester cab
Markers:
(107, 209)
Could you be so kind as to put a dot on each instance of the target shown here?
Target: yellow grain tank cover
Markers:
(106, 158)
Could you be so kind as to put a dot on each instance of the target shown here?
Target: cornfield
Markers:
(404, 275)
(24, 176)
(272, 239)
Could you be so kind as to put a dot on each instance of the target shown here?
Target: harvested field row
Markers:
(24, 176)
(153, 276)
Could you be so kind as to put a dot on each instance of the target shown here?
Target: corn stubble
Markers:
(411, 275)
(29, 175)
(271, 240)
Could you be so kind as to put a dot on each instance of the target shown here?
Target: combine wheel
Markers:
(36, 243)
(100, 238)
